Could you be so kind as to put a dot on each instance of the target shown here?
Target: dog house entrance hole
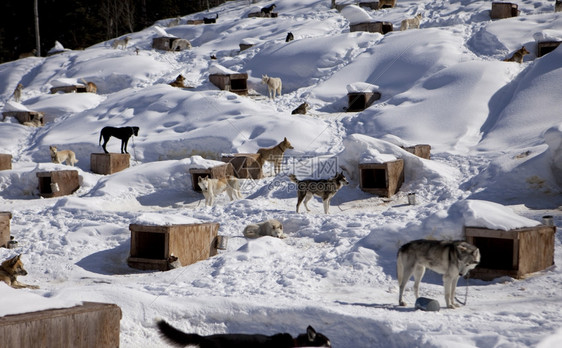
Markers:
(238, 84)
(45, 185)
(497, 253)
(358, 102)
(374, 178)
(150, 245)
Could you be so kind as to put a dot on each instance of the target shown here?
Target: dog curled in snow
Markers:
(518, 55)
(179, 82)
(301, 109)
(452, 259)
(281, 340)
(266, 11)
(274, 85)
(180, 44)
(120, 42)
(61, 156)
(386, 3)
(10, 269)
(90, 87)
(323, 188)
(123, 133)
(411, 23)
(274, 154)
(214, 187)
(270, 227)
(17, 92)
(290, 37)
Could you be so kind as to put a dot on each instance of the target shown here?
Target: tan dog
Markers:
(33, 53)
(64, 155)
(179, 82)
(17, 92)
(386, 3)
(274, 154)
(411, 23)
(10, 270)
(214, 187)
(121, 42)
(270, 227)
(90, 87)
(518, 55)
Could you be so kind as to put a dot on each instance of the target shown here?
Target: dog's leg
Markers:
(403, 273)
(307, 198)
(105, 140)
(450, 284)
(418, 275)
(300, 197)
(326, 205)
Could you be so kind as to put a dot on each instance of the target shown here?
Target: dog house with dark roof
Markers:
(163, 42)
(109, 163)
(372, 27)
(228, 80)
(382, 179)
(361, 95)
(420, 150)
(502, 10)
(5, 161)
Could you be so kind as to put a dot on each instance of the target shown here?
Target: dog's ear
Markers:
(15, 259)
(311, 333)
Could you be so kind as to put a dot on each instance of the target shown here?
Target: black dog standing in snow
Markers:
(123, 133)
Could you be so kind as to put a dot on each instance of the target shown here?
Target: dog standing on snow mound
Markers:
(123, 133)
(274, 154)
(518, 55)
(270, 227)
(214, 187)
(452, 259)
(274, 85)
(411, 23)
(64, 155)
(323, 188)
(281, 340)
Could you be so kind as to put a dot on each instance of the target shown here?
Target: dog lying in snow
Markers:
(270, 227)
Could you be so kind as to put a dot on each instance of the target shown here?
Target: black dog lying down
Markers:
(123, 133)
(281, 340)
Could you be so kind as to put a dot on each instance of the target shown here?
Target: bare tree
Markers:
(119, 17)
(37, 40)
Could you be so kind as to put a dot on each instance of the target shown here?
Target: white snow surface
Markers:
(495, 129)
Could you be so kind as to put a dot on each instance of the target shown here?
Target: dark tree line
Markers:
(79, 24)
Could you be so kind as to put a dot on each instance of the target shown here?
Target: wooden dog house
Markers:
(26, 116)
(152, 246)
(373, 5)
(5, 217)
(387, 4)
(235, 83)
(545, 47)
(88, 325)
(245, 46)
(263, 15)
(244, 165)
(69, 89)
(372, 27)
(421, 150)
(195, 21)
(514, 253)
(216, 172)
(5, 161)
(382, 179)
(502, 10)
(58, 183)
(359, 101)
(109, 163)
(163, 43)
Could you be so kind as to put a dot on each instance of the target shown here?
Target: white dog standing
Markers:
(274, 85)
(411, 23)
(120, 42)
(182, 44)
(214, 187)
(270, 227)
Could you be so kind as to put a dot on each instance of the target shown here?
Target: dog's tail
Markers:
(293, 178)
(176, 337)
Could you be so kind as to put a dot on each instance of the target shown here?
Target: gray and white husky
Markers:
(323, 188)
(214, 187)
(452, 259)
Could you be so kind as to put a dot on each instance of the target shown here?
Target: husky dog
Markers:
(411, 22)
(123, 133)
(269, 227)
(290, 37)
(267, 10)
(517, 55)
(179, 82)
(120, 42)
(10, 269)
(324, 188)
(386, 3)
(274, 154)
(214, 187)
(90, 87)
(33, 53)
(281, 340)
(274, 84)
(64, 155)
(453, 259)
(181, 44)
(17, 92)
(301, 109)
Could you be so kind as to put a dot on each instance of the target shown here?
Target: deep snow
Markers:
(494, 127)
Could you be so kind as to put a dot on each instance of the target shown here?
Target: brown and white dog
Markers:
(518, 55)
(64, 155)
(90, 87)
(323, 188)
(274, 154)
(17, 92)
(10, 269)
(179, 82)
(214, 187)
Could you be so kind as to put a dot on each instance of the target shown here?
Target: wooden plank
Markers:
(109, 163)
(5, 218)
(5, 161)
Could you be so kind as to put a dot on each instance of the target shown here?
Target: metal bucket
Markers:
(222, 242)
(411, 198)
(427, 304)
(548, 220)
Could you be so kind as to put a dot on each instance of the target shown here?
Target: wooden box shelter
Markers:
(88, 325)
(502, 10)
(359, 101)
(5, 217)
(109, 163)
(216, 172)
(386, 4)
(195, 21)
(263, 15)
(382, 179)
(163, 43)
(514, 253)
(545, 47)
(372, 27)
(26, 116)
(235, 83)
(421, 150)
(5, 161)
(244, 165)
(244, 46)
(152, 246)
(58, 183)
(69, 89)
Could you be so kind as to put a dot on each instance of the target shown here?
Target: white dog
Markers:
(182, 44)
(270, 227)
(274, 84)
(64, 155)
(411, 23)
(214, 187)
(120, 42)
